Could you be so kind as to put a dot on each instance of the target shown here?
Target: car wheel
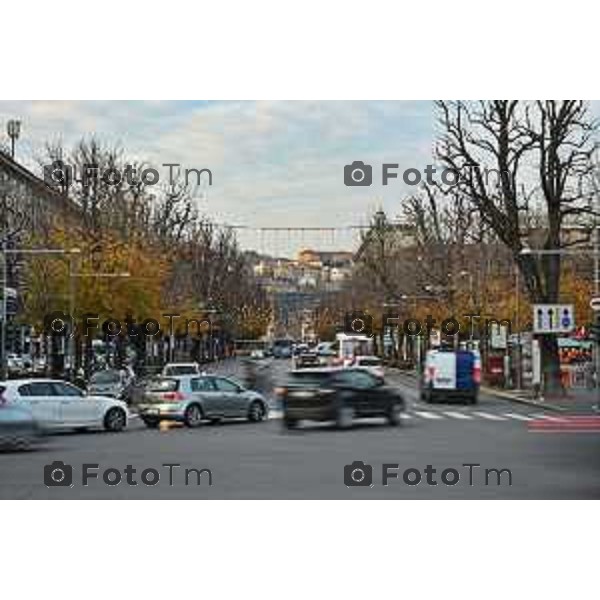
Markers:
(23, 443)
(289, 423)
(115, 420)
(395, 414)
(256, 412)
(344, 417)
(193, 415)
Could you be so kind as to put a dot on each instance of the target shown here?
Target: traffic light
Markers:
(12, 336)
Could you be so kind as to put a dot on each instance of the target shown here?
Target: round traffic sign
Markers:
(595, 303)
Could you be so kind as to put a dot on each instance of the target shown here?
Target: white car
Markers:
(56, 404)
(180, 369)
(15, 364)
(370, 363)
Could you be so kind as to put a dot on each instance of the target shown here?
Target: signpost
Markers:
(553, 318)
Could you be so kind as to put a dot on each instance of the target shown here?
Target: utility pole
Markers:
(597, 314)
(3, 361)
(519, 356)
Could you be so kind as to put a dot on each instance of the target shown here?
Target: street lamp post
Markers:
(415, 298)
(518, 326)
(3, 252)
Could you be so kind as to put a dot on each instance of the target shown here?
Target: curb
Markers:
(513, 398)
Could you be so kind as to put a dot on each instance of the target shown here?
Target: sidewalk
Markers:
(575, 401)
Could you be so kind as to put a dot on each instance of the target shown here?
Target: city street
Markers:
(262, 460)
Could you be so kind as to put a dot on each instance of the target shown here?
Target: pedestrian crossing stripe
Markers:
(518, 416)
(457, 415)
(469, 416)
(428, 415)
(546, 417)
(489, 416)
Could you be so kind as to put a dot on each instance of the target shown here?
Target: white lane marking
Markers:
(489, 416)
(457, 415)
(406, 416)
(518, 416)
(427, 415)
(547, 417)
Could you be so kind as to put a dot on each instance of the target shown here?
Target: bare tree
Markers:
(539, 155)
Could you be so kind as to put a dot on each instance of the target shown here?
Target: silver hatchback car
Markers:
(193, 399)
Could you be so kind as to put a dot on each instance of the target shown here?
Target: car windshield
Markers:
(370, 362)
(181, 370)
(310, 378)
(105, 377)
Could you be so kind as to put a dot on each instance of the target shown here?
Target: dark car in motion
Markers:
(339, 395)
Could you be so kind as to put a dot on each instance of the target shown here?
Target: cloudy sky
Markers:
(273, 163)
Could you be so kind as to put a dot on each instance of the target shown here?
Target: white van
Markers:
(451, 374)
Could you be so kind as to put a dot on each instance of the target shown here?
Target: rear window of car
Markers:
(181, 370)
(369, 362)
(310, 377)
(106, 377)
(162, 385)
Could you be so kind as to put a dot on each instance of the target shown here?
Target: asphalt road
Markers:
(262, 460)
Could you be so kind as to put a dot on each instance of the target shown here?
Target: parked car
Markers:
(372, 364)
(298, 349)
(450, 374)
(178, 369)
(306, 360)
(56, 404)
(116, 383)
(18, 429)
(39, 365)
(340, 395)
(14, 365)
(193, 399)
